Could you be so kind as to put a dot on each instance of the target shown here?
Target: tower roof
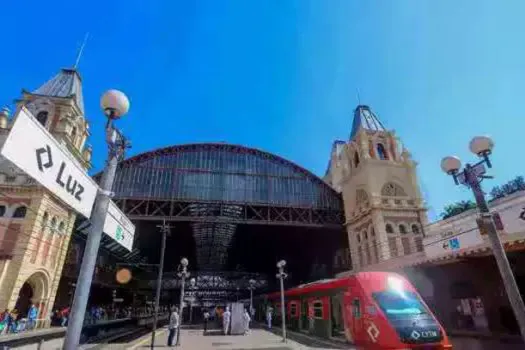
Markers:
(366, 119)
(66, 84)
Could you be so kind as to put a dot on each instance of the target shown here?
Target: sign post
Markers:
(119, 227)
(35, 151)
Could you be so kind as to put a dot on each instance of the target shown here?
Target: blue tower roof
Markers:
(366, 119)
(66, 84)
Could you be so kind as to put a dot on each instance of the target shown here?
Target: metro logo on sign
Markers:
(71, 185)
(119, 227)
(35, 151)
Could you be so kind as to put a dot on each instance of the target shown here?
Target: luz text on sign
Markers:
(35, 151)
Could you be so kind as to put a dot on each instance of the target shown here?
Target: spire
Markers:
(66, 84)
(366, 119)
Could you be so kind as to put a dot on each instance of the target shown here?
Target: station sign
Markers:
(119, 227)
(451, 242)
(35, 151)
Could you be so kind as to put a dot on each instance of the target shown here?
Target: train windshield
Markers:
(399, 305)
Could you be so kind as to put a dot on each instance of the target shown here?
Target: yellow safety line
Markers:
(147, 337)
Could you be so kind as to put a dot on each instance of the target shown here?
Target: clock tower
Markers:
(35, 227)
(384, 209)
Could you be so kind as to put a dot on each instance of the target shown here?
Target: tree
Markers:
(457, 208)
(514, 185)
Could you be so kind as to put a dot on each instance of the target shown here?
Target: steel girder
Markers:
(220, 212)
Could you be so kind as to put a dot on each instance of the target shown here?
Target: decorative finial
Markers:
(79, 55)
(358, 97)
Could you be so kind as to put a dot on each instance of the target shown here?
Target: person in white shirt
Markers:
(226, 318)
(246, 318)
(173, 325)
(269, 317)
(206, 319)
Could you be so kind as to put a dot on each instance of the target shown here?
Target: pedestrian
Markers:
(31, 317)
(173, 325)
(246, 319)
(269, 318)
(226, 317)
(206, 318)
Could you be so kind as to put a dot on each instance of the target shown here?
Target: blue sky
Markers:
(282, 75)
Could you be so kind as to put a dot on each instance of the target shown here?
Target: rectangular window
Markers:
(318, 309)
(293, 309)
(356, 308)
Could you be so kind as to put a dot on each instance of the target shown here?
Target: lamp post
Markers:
(471, 176)
(114, 104)
(192, 298)
(251, 287)
(281, 276)
(183, 274)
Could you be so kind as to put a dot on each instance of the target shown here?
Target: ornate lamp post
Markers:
(251, 287)
(281, 276)
(192, 297)
(183, 274)
(114, 104)
(471, 176)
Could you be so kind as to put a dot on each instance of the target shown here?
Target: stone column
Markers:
(381, 235)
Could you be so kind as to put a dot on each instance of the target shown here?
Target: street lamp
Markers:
(471, 176)
(251, 287)
(183, 274)
(192, 297)
(281, 276)
(114, 104)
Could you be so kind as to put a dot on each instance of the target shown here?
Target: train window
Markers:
(293, 309)
(318, 309)
(356, 309)
(399, 305)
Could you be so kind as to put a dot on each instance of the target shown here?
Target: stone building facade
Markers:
(384, 209)
(35, 227)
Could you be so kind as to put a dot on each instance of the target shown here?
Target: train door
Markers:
(357, 318)
(304, 315)
(337, 322)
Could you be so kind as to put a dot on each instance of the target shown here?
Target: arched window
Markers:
(45, 219)
(365, 234)
(53, 224)
(358, 238)
(415, 229)
(61, 227)
(42, 117)
(402, 229)
(3, 209)
(381, 152)
(20, 212)
(389, 228)
(372, 232)
(391, 189)
(356, 159)
(74, 134)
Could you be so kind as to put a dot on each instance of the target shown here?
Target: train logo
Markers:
(373, 332)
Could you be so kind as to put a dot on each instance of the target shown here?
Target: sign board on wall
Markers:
(451, 242)
(35, 151)
(119, 227)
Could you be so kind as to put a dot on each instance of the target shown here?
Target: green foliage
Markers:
(457, 208)
(514, 185)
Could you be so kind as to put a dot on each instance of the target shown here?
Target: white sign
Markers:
(35, 151)
(451, 242)
(119, 227)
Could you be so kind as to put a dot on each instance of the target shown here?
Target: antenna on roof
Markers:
(358, 97)
(79, 55)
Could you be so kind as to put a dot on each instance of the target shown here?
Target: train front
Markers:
(405, 312)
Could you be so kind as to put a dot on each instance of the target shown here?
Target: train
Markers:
(371, 310)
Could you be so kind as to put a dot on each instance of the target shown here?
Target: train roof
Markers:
(326, 284)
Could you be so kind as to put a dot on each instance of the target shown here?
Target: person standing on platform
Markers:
(206, 318)
(31, 317)
(246, 319)
(226, 318)
(173, 325)
(269, 318)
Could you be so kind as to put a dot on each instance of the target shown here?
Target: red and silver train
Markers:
(372, 310)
